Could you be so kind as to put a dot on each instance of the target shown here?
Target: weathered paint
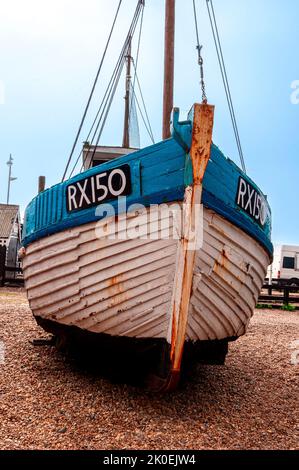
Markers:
(160, 173)
(228, 274)
(89, 277)
(121, 287)
(152, 288)
(200, 154)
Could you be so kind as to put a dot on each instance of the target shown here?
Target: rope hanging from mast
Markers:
(215, 32)
(137, 59)
(200, 59)
(92, 92)
(103, 110)
(124, 52)
(144, 117)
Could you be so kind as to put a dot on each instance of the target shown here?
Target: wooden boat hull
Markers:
(191, 276)
(125, 287)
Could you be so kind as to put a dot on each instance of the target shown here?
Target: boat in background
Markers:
(161, 250)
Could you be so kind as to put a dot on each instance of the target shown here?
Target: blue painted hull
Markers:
(159, 173)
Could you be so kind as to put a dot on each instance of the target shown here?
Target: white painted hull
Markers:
(127, 287)
(228, 276)
(194, 279)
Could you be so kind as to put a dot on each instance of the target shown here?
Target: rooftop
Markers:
(8, 214)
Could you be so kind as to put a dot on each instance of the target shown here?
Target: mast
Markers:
(168, 66)
(126, 135)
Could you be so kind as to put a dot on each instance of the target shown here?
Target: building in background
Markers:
(285, 264)
(275, 266)
(289, 264)
(10, 234)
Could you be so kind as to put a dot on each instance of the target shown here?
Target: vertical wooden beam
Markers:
(168, 66)
(41, 183)
(200, 154)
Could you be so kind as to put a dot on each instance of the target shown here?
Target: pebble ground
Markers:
(46, 402)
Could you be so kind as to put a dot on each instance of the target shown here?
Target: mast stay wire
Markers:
(137, 59)
(133, 129)
(148, 127)
(108, 103)
(130, 34)
(200, 59)
(216, 36)
(104, 100)
(106, 94)
(115, 77)
(110, 88)
(92, 92)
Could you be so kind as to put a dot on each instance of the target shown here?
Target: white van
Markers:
(289, 264)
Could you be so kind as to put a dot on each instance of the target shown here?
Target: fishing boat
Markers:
(160, 250)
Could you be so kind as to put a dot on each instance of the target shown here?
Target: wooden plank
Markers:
(200, 154)
(121, 288)
(168, 66)
(278, 298)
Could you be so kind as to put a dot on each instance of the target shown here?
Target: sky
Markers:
(49, 54)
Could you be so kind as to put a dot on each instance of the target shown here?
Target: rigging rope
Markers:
(92, 91)
(143, 118)
(218, 46)
(130, 34)
(200, 59)
(148, 126)
(106, 101)
(137, 58)
(134, 134)
(108, 106)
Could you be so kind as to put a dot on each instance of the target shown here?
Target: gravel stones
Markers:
(46, 402)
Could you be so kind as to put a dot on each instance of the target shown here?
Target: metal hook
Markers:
(200, 59)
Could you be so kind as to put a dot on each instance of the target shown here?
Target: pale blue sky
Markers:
(50, 51)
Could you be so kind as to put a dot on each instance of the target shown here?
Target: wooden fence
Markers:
(279, 293)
